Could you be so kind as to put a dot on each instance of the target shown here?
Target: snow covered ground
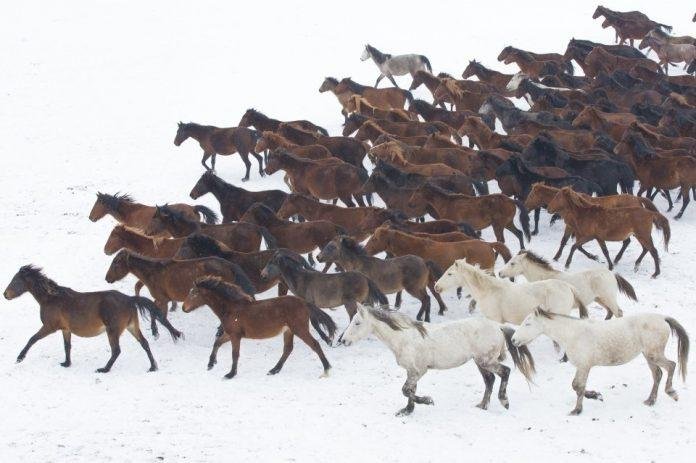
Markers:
(90, 95)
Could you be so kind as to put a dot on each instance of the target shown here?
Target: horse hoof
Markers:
(65, 364)
(273, 371)
(229, 375)
(575, 411)
(325, 374)
(673, 394)
(482, 406)
(152, 368)
(505, 403)
(427, 400)
(649, 401)
(19, 359)
(102, 370)
(210, 366)
(404, 412)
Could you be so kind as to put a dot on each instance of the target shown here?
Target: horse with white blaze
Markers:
(419, 347)
(506, 302)
(613, 342)
(596, 285)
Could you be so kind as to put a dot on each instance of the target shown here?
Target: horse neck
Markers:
(183, 228)
(220, 189)
(220, 307)
(395, 340)
(350, 260)
(40, 294)
(142, 267)
(126, 209)
(291, 276)
(480, 285)
(534, 272)
(559, 328)
(199, 132)
(140, 244)
(290, 163)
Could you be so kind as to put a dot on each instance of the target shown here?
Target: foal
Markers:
(420, 347)
(85, 314)
(243, 317)
(614, 342)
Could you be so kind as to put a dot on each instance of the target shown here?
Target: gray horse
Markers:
(398, 65)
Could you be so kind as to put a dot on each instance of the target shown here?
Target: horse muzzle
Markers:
(9, 294)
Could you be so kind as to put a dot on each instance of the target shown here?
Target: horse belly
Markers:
(87, 329)
(265, 332)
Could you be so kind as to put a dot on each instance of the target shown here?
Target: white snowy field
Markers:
(90, 93)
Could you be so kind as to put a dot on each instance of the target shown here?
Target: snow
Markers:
(91, 93)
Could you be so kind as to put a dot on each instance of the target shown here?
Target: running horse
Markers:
(399, 65)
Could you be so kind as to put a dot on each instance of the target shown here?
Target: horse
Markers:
(86, 314)
(494, 210)
(243, 317)
(319, 179)
(385, 98)
(600, 59)
(594, 222)
(400, 220)
(436, 169)
(403, 129)
(670, 53)
(595, 285)
(327, 291)
(123, 237)
(443, 254)
(481, 135)
(614, 342)
(419, 347)
(301, 237)
(392, 275)
(505, 302)
(234, 201)
(489, 76)
(454, 119)
(222, 141)
(270, 141)
(399, 65)
(395, 197)
(169, 279)
(138, 216)
(359, 105)
(240, 236)
(533, 67)
(262, 123)
(464, 160)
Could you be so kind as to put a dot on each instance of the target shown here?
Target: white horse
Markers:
(597, 285)
(398, 65)
(506, 302)
(420, 347)
(613, 342)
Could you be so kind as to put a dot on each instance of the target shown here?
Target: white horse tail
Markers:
(682, 344)
(578, 302)
(521, 356)
(625, 287)
(426, 62)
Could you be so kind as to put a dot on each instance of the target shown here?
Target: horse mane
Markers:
(113, 202)
(381, 57)
(357, 118)
(265, 212)
(257, 113)
(353, 246)
(222, 288)
(333, 80)
(444, 75)
(177, 216)
(397, 321)
(536, 259)
(206, 246)
(36, 275)
(552, 315)
(640, 146)
(354, 86)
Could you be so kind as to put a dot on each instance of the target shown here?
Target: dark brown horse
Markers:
(481, 135)
(240, 236)
(243, 317)
(272, 141)
(261, 122)
(85, 314)
(222, 141)
(410, 273)
(347, 149)
(489, 76)
(387, 98)
(234, 201)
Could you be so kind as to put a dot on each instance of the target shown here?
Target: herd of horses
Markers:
(576, 152)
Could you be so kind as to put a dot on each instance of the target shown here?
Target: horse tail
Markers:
(502, 250)
(682, 344)
(480, 187)
(435, 271)
(521, 356)
(148, 308)
(647, 203)
(364, 177)
(578, 302)
(426, 62)
(524, 218)
(468, 229)
(375, 295)
(322, 131)
(665, 27)
(569, 67)
(408, 95)
(271, 242)
(625, 287)
(138, 286)
(662, 224)
(318, 318)
(207, 213)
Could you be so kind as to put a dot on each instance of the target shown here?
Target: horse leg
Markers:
(134, 330)
(625, 244)
(310, 259)
(359, 200)
(605, 251)
(391, 78)
(236, 342)
(517, 232)
(579, 383)
(67, 346)
(42, 333)
(686, 197)
(441, 304)
(347, 201)
(422, 295)
(212, 161)
(247, 164)
(326, 267)
(488, 380)
(221, 339)
(670, 366)
(640, 258)
(260, 161)
(498, 232)
(409, 390)
(397, 301)
(657, 376)
(587, 254)
(306, 337)
(668, 196)
(504, 373)
(575, 246)
(164, 307)
(287, 349)
(205, 158)
(564, 241)
(115, 349)
(537, 212)
(379, 79)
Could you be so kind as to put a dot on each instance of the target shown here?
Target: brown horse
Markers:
(464, 160)
(494, 210)
(85, 314)
(240, 236)
(482, 136)
(436, 169)
(405, 129)
(358, 104)
(348, 218)
(601, 60)
(592, 222)
(561, 62)
(262, 123)
(272, 141)
(322, 181)
(243, 317)
(658, 140)
(433, 140)
(138, 216)
(528, 64)
(122, 237)
(345, 148)
(234, 201)
(169, 279)
(614, 124)
(385, 98)
(222, 141)
(461, 99)
(303, 237)
(397, 219)
(443, 254)
(410, 273)
(489, 76)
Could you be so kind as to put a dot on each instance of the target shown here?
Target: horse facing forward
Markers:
(399, 65)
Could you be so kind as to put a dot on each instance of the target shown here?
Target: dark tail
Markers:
(208, 214)
(662, 224)
(138, 286)
(682, 344)
(524, 218)
(625, 287)
(375, 295)
(502, 250)
(581, 307)
(408, 95)
(147, 309)
(242, 280)
(521, 356)
(322, 131)
(468, 229)
(318, 318)
(480, 187)
(426, 61)
(665, 27)
(364, 176)
(647, 203)
(271, 242)
(435, 272)
(569, 67)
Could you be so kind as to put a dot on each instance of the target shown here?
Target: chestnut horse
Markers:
(489, 76)
(85, 314)
(272, 141)
(243, 317)
(123, 237)
(262, 123)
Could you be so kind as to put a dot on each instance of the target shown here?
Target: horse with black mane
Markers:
(399, 65)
